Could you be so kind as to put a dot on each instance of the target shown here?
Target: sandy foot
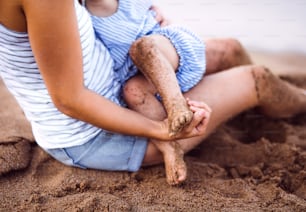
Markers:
(175, 166)
(176, 169)
(179, 117)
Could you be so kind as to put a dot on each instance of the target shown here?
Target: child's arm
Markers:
(160, 18)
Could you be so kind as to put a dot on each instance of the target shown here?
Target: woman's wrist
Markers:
(159, 131)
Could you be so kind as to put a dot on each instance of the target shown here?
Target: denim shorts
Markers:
(106, 151)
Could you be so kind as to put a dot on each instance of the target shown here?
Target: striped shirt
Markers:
(132, 20)
(19, 71)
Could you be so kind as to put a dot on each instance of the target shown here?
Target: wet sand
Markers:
(251, 163)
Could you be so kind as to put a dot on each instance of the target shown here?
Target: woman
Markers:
(62, 77)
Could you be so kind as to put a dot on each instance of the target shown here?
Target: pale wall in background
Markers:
(270, 25)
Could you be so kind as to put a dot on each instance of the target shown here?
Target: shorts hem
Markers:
(137, 154)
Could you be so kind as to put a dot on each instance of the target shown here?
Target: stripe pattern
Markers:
(20, 73)
(134, 19)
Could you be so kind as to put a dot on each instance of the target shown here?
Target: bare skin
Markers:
(245, 96)
(225, 53)
(58, 54)
(151, 60)
(57, 50)
(157, 59)
(52, 49)
(258, 88)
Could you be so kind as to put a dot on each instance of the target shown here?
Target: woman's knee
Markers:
(260, 72)
(236, 52)
(222, 54)
(233, 45)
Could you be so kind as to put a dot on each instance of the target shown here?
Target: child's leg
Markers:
(176, 169)
(157, 59)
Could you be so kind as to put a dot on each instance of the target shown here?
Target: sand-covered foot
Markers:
(176, 169)
(278, 98)
(179, 117)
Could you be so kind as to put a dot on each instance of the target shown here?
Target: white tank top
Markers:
(19, 71)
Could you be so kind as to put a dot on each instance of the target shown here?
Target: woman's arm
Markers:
(55, 41)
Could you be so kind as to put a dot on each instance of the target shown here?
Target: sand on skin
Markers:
(250, 163)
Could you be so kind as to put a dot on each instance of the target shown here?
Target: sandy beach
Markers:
(251, 163)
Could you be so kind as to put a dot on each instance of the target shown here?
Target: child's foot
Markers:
(179, 117)
(278, 98)
(176, 169)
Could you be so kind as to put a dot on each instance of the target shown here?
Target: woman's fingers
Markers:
(201, 118)
(198, 120)
(201, 127)
(197, 126)
(192, 104)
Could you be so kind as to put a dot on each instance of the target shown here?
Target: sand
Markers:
(251, 163)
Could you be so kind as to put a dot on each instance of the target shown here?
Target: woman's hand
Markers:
(160, 18)
(202, 113)
(198, 125)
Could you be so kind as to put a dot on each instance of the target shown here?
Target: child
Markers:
(136, 41)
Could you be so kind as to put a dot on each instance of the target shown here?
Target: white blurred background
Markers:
(261, 25)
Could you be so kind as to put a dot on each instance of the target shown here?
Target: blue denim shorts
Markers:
(106, 151)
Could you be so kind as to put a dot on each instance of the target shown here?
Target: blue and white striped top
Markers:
(132, 20)
(18, 68)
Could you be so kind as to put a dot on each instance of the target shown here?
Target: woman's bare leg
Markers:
(230, 92)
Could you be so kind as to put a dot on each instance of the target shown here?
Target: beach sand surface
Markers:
(251, 163)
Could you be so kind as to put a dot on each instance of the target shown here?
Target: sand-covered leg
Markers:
(179, 115)
(139, 95)
(176, 169)
(160, 70)
(276, 97)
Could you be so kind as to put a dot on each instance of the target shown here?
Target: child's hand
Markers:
(160, 18)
